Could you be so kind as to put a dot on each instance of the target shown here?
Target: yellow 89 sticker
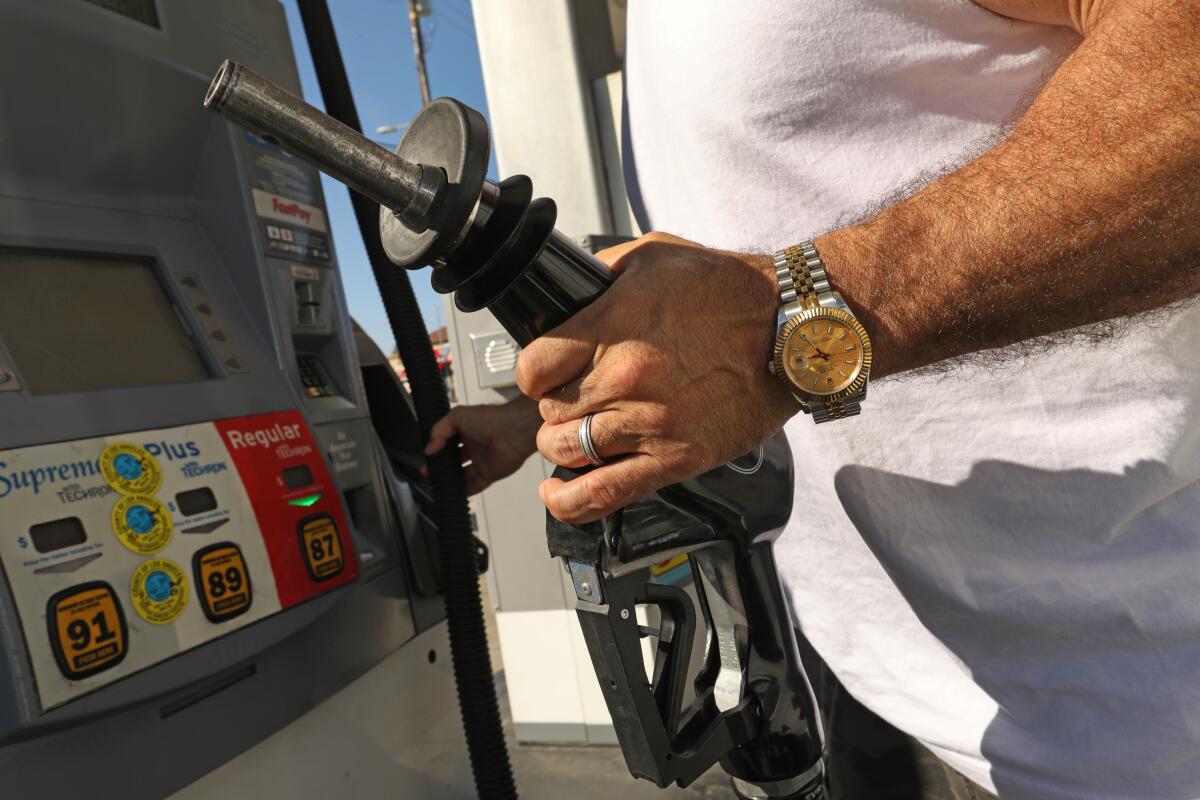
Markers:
(130, 469)
(159, 591)
(142, 524)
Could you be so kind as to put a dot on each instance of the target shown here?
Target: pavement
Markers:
(587, 772)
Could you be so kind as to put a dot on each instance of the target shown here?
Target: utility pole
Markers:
(414, 25)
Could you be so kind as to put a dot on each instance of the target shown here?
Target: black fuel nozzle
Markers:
(492, 245)
(689, 631)
(688, 571)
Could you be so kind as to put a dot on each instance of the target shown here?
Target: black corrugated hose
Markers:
(456, 551)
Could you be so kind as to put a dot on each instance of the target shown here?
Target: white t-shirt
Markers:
(1005, 563)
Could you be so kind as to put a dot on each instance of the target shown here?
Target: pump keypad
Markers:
(312, 376)
(223, 581)
(88, 633)
(322, 547)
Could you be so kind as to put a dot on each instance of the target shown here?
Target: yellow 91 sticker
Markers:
(130, 469)
(142, 524)
(159, 591)
(87, 629)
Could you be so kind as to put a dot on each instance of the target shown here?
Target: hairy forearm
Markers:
(1088, 211)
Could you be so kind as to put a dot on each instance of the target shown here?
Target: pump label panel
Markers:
(287, 202)
(124, 551)
(268, 452)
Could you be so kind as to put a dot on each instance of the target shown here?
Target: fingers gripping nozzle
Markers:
(492, 244)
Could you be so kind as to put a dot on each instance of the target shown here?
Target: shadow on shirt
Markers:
(1073, 597)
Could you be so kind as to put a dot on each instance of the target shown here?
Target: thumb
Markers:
(612, 256)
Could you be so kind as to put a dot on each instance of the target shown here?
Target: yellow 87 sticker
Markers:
(130, 469)
(321, 546)
(142, 523)
(159, 591)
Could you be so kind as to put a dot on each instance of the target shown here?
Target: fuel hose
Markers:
(460, 582)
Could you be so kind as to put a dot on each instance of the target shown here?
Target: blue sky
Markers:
(375, 44)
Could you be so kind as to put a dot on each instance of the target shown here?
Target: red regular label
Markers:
(281, 466)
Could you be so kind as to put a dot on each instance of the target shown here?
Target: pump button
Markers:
(87, 629)
(224, 581)
(322, 547)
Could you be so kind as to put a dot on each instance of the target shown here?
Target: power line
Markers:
(450, 21)
(463, 12)
(464, 21)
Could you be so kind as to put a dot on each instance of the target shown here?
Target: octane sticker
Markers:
(322, 547)
(223, 581)
(142, 523)
(159, 591)
(130, 469)
(87, 629)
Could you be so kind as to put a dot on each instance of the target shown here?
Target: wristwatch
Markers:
(822, 352)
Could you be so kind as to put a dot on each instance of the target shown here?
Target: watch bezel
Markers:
(823, 312)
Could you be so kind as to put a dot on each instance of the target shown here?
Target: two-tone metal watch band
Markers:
(804, 284)
(802, 279)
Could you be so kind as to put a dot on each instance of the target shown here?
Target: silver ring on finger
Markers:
(585, 441)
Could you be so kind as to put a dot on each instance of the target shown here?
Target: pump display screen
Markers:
(50, 536)
(75, 322)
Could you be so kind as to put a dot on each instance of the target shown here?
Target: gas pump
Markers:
(213, 524)
(689, 570)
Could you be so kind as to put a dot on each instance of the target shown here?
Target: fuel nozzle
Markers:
(688, 577)
(491, 244)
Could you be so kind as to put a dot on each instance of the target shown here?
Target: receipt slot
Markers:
(203, 536)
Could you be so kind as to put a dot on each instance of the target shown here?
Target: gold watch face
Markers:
(823, 352)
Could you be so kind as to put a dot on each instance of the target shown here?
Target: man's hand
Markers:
(672, 361)
(496, 439)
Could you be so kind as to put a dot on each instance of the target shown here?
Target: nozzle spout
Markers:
(411, 191)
